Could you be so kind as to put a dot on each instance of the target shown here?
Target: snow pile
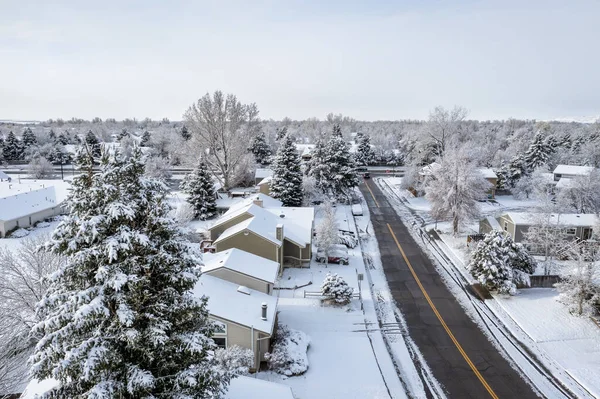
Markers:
(42, 225)
(235, 359)
(289, 352)
(19, 233)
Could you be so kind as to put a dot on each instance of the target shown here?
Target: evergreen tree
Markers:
(52, 135)
(12, 148)
(92, 141)
(145, 138)
(260, 149)
(538, 153)
(119, 317)
(199, 186)
(28, 139)
(336, 288)
(364, 153)
(515, 171)
(341, 173)
(124, 133)
(63, 138)
(498, 262)
(185, 133)
(286, 183)
(281, 133)
(316, 166)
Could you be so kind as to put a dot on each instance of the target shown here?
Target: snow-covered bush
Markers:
(183, 214)
(19, 233)
(235, 359)
(158, 168)
(498, 262)
(348, 240)
(580, 286)
(288, 356)
(336, 288)
(40, 168)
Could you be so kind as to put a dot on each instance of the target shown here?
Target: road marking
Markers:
(372, 195)
(439, 316)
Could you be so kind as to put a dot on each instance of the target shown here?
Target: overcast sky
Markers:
(366, 59)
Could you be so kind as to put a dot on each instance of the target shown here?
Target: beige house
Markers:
(27, 208)
(281, 234)
(242, 268)
(264, 186)
(574, 226)
(244, 317)
(262, 173)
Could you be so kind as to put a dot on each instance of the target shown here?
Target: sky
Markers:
(370, 60)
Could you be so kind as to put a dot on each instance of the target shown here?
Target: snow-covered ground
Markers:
(564, 347)
(574, 342)
(345, 361)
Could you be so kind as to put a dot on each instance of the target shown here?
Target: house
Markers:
(244, 317)
(262, 173)
(305, 150)
(571, 171)
(243, 387)
(280, 234)
(487, 173)
(26, 208)
(264, 186)
(516, 224)
(242, 268)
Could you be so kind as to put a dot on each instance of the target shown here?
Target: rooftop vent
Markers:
(243, 290)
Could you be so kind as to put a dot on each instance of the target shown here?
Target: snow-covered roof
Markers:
(263, 226)
(574, 170)
(564, 219)
(564, 182)
(487, 173)
(226, 302)
(37, 388)
(429, 169)
(493, 223)
(265, 180)
(301, 218)
(26, 203)
(261, 173)
(242, 262)
(267, 202)
(244, 387)
(3, 176)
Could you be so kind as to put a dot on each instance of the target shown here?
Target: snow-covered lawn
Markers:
(574, 342)
(344, 362)
(14, 243)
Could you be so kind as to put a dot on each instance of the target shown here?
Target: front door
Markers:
(587, 233)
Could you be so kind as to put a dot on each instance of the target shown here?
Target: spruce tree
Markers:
(92, 141)
(52, 135)
(260, 149)
(119, 318)
(199, 186)
(145, 138)
(63, 138)
(185, 133)
(286, 183)
(317, 168)
(28, 139)
(538, 153)
(364, 153)
(12, 148)
(341, 173)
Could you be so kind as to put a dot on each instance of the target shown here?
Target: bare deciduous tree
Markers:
(22, 286)
(222, 127)
(444, 125)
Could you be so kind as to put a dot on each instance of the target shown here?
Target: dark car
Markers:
(366, 175)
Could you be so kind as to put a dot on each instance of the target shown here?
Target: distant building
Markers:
(27, 208)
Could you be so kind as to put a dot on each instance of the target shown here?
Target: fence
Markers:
(544, 281)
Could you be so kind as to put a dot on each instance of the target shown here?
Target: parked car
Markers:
(336, 254)
(366, 175)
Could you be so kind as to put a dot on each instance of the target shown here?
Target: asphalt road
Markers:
(461, 358)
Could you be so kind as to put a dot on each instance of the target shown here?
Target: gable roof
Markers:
(261, 173)
(263, 226)
(564, 219)
(297, 221)
(265, 180)
(26, 203)
(267, 202)
(243, 262)
(225, 301)
(487, 173)
(575, 170)
(243, 387)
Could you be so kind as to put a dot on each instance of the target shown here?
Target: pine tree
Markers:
(28, 139)
(316, 166)
(124, 133)
(63, 138)
(515, 171)
(260, 149)
(341, 173)
(498, 262)
(185, 133)
(286, 183)
(201, 193)
(12, 150)
(364, 153)
(145, 138)
(92, 141)
(52, 135)
(119, 318)
(538, 153)
(336, 288)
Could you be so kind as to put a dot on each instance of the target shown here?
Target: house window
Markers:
(505, 226)
(571, 231)
(221, 342)
(220, 328)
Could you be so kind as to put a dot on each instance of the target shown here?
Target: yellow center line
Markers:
(439, 316)
(372, 195)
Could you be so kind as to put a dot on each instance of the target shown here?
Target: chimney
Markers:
(258, 202)
(279, 232)
(264, 311)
